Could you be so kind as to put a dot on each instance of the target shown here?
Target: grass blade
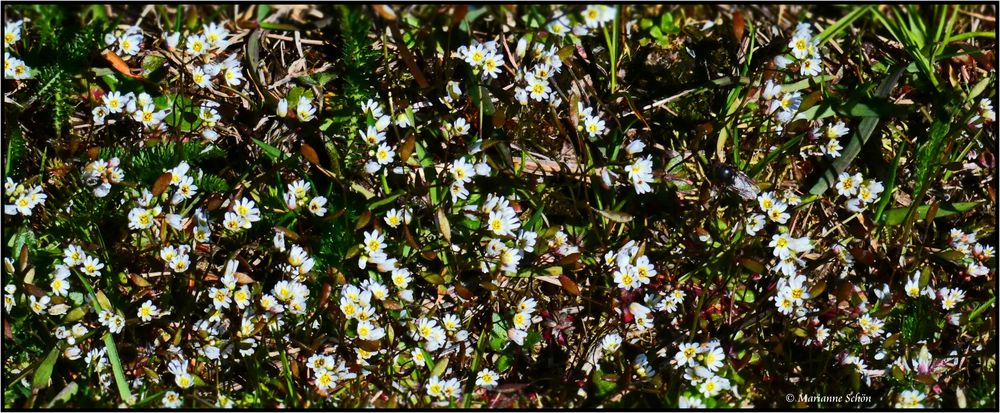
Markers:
(842, 24)
(116, 367)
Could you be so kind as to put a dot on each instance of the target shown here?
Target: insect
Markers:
(734, 180)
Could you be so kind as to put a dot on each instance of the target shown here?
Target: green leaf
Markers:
(44, 371)
(151, 63)
(503, 363)
(440, 367)
(890, 185)
(386, 200)
(278, 26)
(897, 216)
(271, 151)
(262, 11)
(116, 367)
(979, 310)
(64, 395)
(857, 140)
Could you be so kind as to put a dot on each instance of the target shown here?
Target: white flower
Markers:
(641, 174)
(372, 136)
(282, 109)
(635, 147)
(800, 45)
(595, 126)
(486, 379)
(172, 400)
(91, 266)
(910, 399)
(611, 343)
(304, 110)
(11, 33)
(317, 206)
(810, 67)
(200, 78)
(461, 170)
(216, 35)
(147, 311)
(713, 385)
(384, 154)
(196, 44)
(538, 89)
(686, 353)
(171, 38)
(847, 185)
(129, 43)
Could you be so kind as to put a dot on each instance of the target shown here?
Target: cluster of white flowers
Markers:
(230, 69)
(462, 172)
(950, 297)
(74, 256)
(505, 249)
(374, 136)
(444, 389)
(772, 208)
(304, 109)
(864, 191)
(287, 295)
(871, 328)
(831, 133)
(640, 172)
(975, 255)
(671, 300)
(792, 290)
(589, 122)
(373, 247)
(127, 41)
(523, 320)
(484, 58)
(13, 67)
(327, 371)
(213, 37)
(631, 269)
(562, 244)
(176, 258)
(139, 108)
(242, 216)
(298, 192)
(20, 198)
(113, 321)
(805, 49)
(701, 364)
(100, 174)
(533, 82)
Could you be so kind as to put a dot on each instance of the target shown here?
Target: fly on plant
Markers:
(734, 180)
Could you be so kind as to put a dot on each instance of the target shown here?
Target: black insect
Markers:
(734, 180)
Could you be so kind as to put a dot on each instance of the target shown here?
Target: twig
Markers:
(289, 39)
